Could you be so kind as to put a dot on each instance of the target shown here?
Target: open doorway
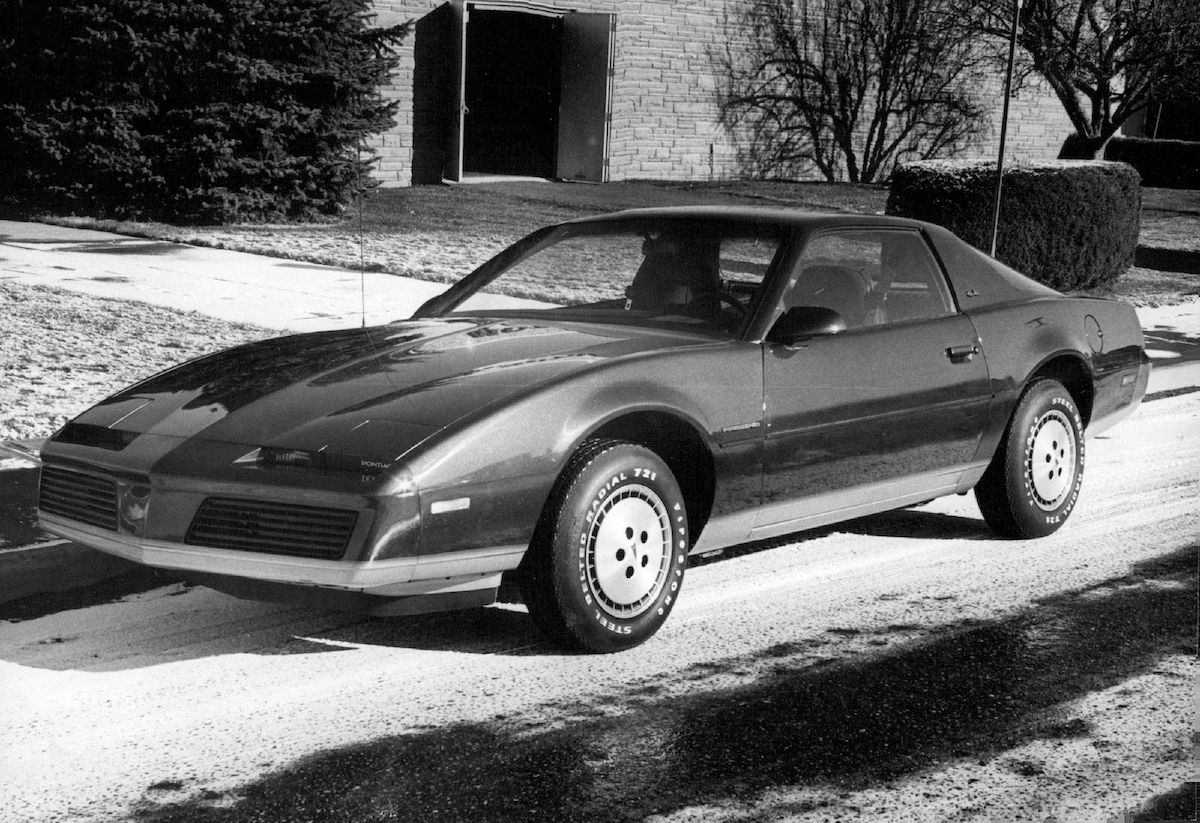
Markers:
(533, 89)
(512, 93)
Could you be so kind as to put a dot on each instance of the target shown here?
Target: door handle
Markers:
(962, 354)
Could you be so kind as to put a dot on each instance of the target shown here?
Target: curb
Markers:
(54, 566)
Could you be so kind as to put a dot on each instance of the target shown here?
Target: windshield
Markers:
(701, 274)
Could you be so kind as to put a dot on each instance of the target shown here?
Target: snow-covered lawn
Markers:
(62, 351)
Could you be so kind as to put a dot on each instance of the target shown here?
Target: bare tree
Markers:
(1104, 59)
(849, 87)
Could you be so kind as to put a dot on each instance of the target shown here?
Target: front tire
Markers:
(1033, 481)
(607, 560)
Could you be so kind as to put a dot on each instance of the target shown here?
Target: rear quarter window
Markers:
(872, 277)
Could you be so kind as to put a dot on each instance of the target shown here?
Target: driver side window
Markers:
(870, 278)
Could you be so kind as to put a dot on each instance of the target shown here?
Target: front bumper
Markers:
(477, 570)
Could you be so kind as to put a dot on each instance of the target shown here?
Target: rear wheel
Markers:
(606, 564)
(1034, 478)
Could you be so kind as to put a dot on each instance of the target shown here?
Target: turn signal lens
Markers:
(135, 506)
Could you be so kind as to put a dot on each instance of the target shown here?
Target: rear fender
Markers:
(1038, 332)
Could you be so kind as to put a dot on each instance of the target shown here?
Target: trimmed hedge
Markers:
(204, 111)
(1170, 164)
(1070, 224)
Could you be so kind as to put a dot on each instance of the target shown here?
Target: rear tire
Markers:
(607, 560)
(1033, 481)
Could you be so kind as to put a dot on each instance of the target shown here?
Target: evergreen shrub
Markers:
(1070, 224)
(204, 111)
(1170, 164)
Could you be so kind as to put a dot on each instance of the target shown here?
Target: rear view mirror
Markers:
(802, 322)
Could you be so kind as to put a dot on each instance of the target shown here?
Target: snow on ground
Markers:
(61, 351)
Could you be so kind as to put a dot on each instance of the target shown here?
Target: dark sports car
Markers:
(595, 404)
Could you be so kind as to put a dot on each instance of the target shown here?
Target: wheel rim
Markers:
(1050, 460)
(629, 551)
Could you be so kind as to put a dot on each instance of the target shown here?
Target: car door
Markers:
(887, 411)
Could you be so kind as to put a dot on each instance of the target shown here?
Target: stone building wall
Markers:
(1037, 124)
(664, 114)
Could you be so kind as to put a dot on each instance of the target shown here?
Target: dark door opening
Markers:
(525, 89)
(512, 87)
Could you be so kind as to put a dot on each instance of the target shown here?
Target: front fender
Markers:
(485, 480)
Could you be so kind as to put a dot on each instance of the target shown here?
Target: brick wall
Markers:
(664, 108)
(664, 114)
(1037, 124)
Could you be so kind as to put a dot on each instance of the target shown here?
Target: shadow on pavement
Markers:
(922, 524)
(126, 246)
(898, 523)
(18, 508)
(506, 630)
(972, 692)
(111, 590)
(1179, 346)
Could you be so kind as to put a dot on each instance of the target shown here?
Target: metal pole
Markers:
(1012, 53)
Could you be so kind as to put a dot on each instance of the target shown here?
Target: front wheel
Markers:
(1034, 478)
(607, 561)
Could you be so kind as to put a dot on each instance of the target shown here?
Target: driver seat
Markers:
(676, 277)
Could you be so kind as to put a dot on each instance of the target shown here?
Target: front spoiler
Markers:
(477, 570)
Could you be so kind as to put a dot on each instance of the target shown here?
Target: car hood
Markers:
(370, 392)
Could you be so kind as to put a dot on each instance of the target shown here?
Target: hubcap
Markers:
(629, 551)
(1050, 461)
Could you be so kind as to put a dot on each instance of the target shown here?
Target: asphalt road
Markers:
(906, 666)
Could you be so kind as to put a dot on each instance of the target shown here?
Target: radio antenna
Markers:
(362, 255)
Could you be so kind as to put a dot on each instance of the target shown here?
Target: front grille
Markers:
(272, 528)
(78, 496)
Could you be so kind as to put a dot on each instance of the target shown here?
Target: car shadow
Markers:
(503, 629)
(790, 741)
(110, 590)
(925, 525)
(914, 523)
(235, 627)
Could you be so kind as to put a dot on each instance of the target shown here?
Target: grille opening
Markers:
(272, 528)
(77, 496)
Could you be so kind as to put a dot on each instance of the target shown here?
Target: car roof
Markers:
(776, 215)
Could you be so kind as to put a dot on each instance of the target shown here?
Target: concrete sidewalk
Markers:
(273, 292)
(282, 295)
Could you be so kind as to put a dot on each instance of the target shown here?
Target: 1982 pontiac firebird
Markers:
(595, 404)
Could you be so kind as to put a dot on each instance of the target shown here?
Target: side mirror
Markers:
(802, 322)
